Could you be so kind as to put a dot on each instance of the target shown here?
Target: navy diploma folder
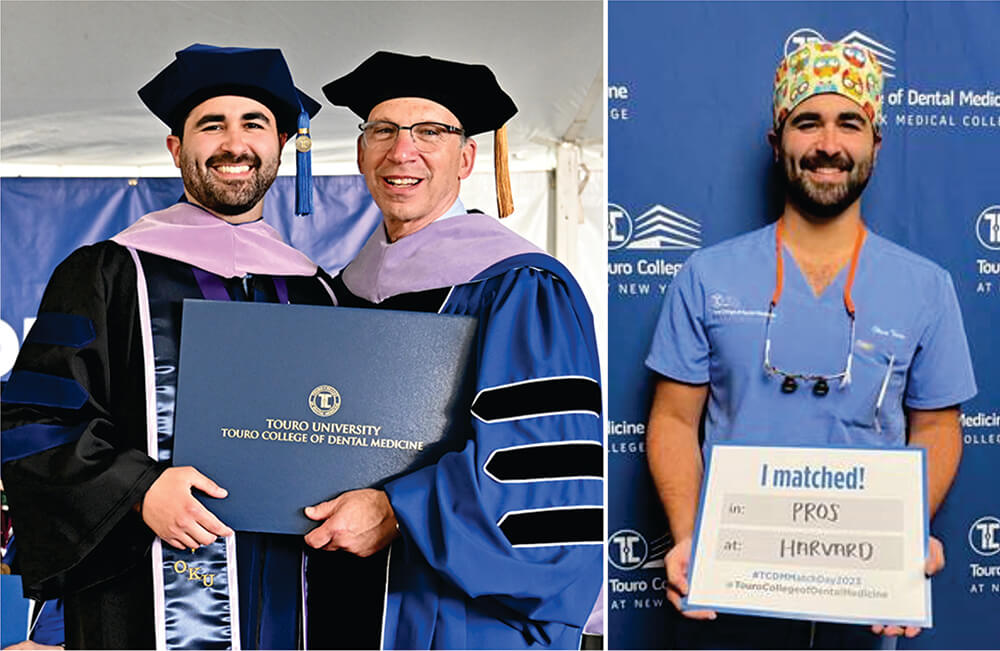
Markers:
(286, 406)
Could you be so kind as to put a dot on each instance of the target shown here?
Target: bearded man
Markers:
(754, 331)
(88, 411)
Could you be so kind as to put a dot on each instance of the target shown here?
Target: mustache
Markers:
(820, 159)
(228, 159)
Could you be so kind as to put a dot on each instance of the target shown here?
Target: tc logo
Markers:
(988, 228)
(800, 37)
(984, 536)
(627, 549)
(885, 54)
(324, 400)
(619, 226)
(720, 301)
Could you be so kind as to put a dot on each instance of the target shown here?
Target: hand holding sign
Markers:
(834, 534)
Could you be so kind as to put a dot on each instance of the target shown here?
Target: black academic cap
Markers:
(200, 72)
(470, 91)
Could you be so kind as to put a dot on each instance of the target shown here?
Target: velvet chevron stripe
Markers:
(541, 397)
(30, 388)
(23, 441)
(575, 525)
(547, 462)
(58, 329)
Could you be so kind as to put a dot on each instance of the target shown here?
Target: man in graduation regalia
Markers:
(103, 518)
(497, 545)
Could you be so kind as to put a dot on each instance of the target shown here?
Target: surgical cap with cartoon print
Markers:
(819, 67)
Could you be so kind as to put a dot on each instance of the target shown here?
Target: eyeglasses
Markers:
(426, 136)
(820, 382)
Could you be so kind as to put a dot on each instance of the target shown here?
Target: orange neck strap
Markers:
(855, 254)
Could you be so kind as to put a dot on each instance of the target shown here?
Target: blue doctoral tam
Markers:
(470, 91)
(200, 72)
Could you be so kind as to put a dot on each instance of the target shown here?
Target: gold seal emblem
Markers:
(303, 144)
(324, 400)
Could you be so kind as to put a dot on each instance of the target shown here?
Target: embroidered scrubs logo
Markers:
(627, 549)
(720, 301)
(727, 306)
(887, 332)
(324, 400)
(984, 536)
(988, 228)
(657, 229)
(885, 54)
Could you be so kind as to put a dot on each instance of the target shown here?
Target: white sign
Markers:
(831, 534)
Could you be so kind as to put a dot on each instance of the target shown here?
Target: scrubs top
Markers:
(909, 330)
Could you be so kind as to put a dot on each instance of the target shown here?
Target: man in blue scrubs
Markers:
(810, 331)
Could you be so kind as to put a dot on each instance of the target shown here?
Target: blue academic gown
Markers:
(501, 541)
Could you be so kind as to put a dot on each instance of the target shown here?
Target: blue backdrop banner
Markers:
(689, 107)
(45, 219)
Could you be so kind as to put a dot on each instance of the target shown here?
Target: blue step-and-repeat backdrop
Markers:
(689, 107)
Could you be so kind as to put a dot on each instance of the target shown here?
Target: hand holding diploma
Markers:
(361, 522)
(172, 512)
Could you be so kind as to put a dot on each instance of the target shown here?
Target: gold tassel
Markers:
(505, 199)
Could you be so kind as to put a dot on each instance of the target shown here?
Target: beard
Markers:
(819, 200)
(228, 197)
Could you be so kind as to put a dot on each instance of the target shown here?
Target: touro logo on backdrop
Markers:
(885, 54)
(988, 234)
(915, 105)
(984, 539)
(988, 228)
(627, 551)
(619, 227)
(984, 536)
(657, 230)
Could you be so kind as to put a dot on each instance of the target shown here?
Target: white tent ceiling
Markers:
(70, 71)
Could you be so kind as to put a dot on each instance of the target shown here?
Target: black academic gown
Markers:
(74, 421)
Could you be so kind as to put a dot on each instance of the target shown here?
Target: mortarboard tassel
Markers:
(505, 199)
(303, 168)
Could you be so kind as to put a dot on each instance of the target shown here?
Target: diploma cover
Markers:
(286, 406)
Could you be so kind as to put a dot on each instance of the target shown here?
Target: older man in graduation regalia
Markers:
(497, 545)
(88, 411)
